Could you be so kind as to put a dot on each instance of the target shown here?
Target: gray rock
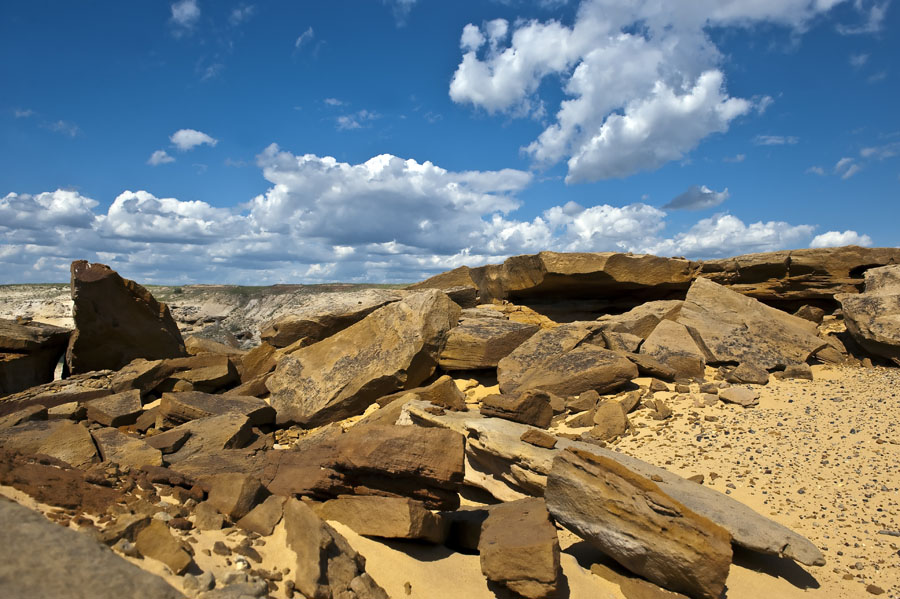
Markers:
(741, 396)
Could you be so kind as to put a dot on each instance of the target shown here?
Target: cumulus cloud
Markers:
(385, 219)
(641, 76)
(837, 239)
(185, 14)
(159, 157)
(188, 139)
(697, 197)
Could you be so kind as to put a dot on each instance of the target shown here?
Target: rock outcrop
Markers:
(873, 317)
(29, 353)
(116, 321)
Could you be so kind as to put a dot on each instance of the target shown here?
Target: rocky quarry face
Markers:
(509, 414)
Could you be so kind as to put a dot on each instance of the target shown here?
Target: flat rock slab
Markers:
(119, 409)
(531, 407)
(741, 396)
(499, 462)
(480, 343)
(156, 542)
(41, 559)
(585, 368)
(125, 450)
(263, 518)
(395, 347)
(234, 494)
(630, 519)
(211, 435)
(78, 388)
(519, 548)
(671, 344)
(61, 439)
(192, 405)
(387, 517)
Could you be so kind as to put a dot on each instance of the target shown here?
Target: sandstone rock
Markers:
(263, 518)
(479, 343)
(143, 375)
(387, 517)
(747, 372)
(641, 320)
(798, 371)
(211, 435)
(200, 345)
(326, 566)
(116, 410)
(251, 388)
(395, 347)
(538, 438)
(79, 388)
(621, 342)
(27, 336)
(191, 405)
(519, 548)
(632, 520)
(87, 569)
(500, 463)
(578, 370)
(156, 542)
(659, 410)
(873, 317)
(609, 421)
(29, 352)
(530, 407)
(234, 494)
(204, 372)
(672, 344)
(585, 401)
(730, 327)
(810, 313)
(259, 361)
(443, 392)
(740, 395)
(650, 366)
(542, 347)
(125, 450)
(206, 517)
(323, 315)
(30, 413)
(61, 439)
(116, 321)
(169, 441)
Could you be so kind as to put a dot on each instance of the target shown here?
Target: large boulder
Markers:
(732, 328)
(41, 559)
(29, 353)
(62, 439)
(395, 347)
(584, 368)
(116, 321)
(629, 518)
(479, 343)
(873, 317)
(386, 517)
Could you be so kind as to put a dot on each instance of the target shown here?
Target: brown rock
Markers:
(191, 405)
(78, 388)
(443, 392)
(28, 414)
(156, 542)
(259, 361)
(211, 435)
(234, 494)
(538, 438)
(200, 345)
(204, 372)
(632, 520)
(116, 321)
(479, 343)
(387, 517)
(125, 450)
(748, 373)
(206, 517)
(120, 409)
(519, 548)
(810, 313)
(650, 366)
(263, 518)
(393, 348)
(62, 439)
(531, 407)
(873, 317)
(641, 320)
(581, 369)
(672, 344)
(29, 353)
(609, 421)
(740, 395)
(798, 371)
(169, 441)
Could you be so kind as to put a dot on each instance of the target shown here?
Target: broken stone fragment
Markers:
(156, 542)
(480, 343)
(125, 450)
(116, 410)
(387, 517)
(530, 407)
(234, 494)
(741, 396)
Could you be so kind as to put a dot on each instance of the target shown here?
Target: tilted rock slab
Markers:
(508, 468)
(671, 344)
(479, 343)
(585, 368)
(386, 517)
(630, 519)
(116, 321)
(730, 327)
(873, 317)
(395, 347)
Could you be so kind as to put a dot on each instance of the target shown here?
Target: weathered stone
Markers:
(29, 353)
(200, 345)
(116, 321)
(650, 366)
(730, 327)
(748, 373)
(120, 409)
(641, 320)
(671, 344)
(141, 374)
(32, 544)
(393, 348)
(501, 464)
(657, 385)
(326, 566)
(206, 517)
(251, 388)
(538, 438)
(629, 518)
(542, 347)
(443, 392)
(234, 494)
(519, 548)
(263, 518)
(191, 405)
(578, 370)
(125, 450)
(156, 542)
(211, 435)
(741, 396)
(810, 313)
(585, 401)
(79, 388)
(798, 371)
(62, 439)
(873, 317)
(30, 413)
(387, 517)
(530, 407)
(479, 343)
(169, 441)
(609, 421)
(659, 410)
(259, 361)
(621, 342)
(204, 372)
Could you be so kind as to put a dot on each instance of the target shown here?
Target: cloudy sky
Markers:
(286, 141)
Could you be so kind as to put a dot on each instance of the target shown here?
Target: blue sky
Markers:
(263, 142)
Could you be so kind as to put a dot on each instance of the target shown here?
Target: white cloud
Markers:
(881, 152)
(357, 120)
(815, 170)
(241, 14)
(59, 208)
(401, 10)
(185, 14)
(303, 38)
(640, 74)
(697, 197)
(736, 158)
(159, 157)
(333, 102)
(188, 139)
(23, 114)
(775, 140)
(873, 23)
(846, 167)
(837, 239)
(726, 235)
(64, 127)
(858, 60)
